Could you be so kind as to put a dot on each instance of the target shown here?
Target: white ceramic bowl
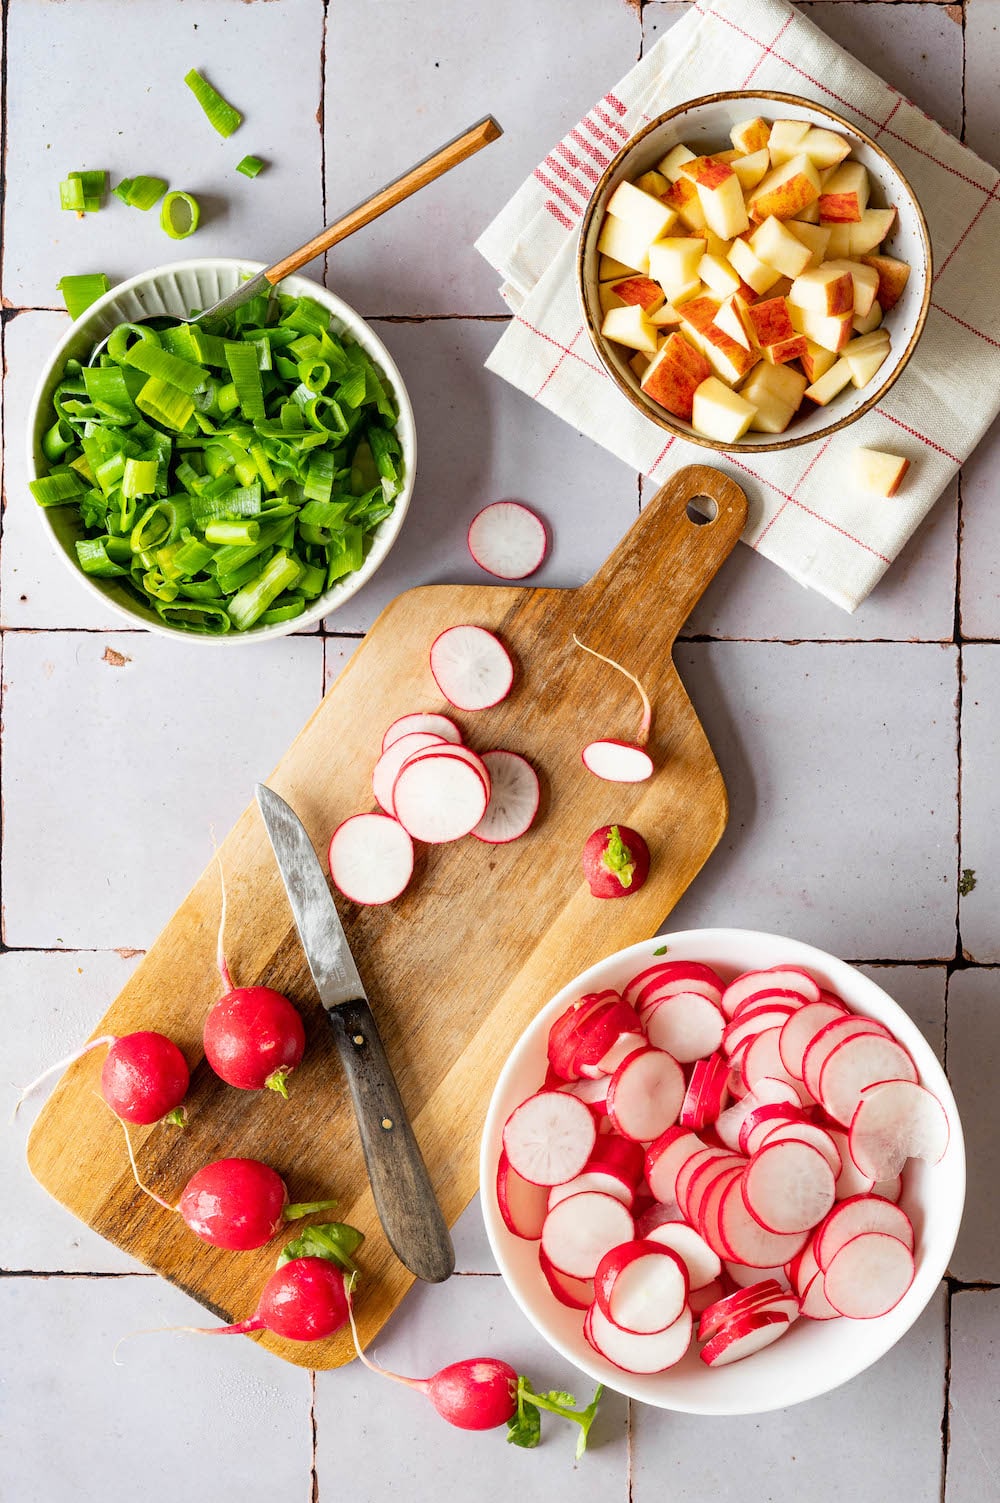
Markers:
(814, 1356)
(176, 289)
(704, 125)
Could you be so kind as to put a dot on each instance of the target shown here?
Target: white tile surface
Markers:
(117, 774)
(181, 1416)
(876, 1440)
(974, 1450)
(973, 1062)
(981, 800)
(827, 841)
(421, 1458)
(49, 1003)
(980, 568)
(982, 59)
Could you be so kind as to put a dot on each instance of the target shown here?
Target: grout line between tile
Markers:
(629, 1479)
(313, 1472)
(946, 1407)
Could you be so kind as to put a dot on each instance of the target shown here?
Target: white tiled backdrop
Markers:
(860, 752)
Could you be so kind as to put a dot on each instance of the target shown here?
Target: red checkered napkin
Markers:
(802, 514)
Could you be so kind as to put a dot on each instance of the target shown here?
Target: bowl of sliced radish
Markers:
(722, 1171)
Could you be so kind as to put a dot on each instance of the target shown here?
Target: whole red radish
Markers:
(303, 1300)
(615, 861)
(144, 1078)
(254, 1038)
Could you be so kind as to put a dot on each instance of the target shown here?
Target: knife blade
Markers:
(401, 1186)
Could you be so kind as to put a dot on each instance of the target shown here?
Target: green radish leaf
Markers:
(524, 1429)
(617, 858)
(661, 950)
(335, 1241)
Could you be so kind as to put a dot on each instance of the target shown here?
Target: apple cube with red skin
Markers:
(785, 191)
(628, 325)
(721, 413)
(674, 375)
(726, 356)
(865, 279)
(785, 140)
(867, 235)
(770, 321)
(642, 290)
(827, 290)
(777, 246)
(832, 333)
(721, 196)
(845, 194)
(682, 197)
(750, 136)
(786, 349)
(877, 472)
(733, 319)
(892, 278)
(815, 360)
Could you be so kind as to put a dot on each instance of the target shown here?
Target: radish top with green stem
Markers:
(144, 1078)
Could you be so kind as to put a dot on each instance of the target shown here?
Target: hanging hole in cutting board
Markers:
(701, 510)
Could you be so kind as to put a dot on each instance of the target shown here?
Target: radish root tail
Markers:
(419, 1383)
(254, 1323)
(135, 1172)
(220, 952)
(63, 1064)
(647, 709)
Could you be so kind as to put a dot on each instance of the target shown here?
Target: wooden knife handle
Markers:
(404, 1195)
(442, 160)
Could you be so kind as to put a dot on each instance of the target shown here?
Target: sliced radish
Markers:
(603, 1180)
(711, 1206)
(687, 1025)
(808, 1132)
(745, 1278)
(889, 1189)
(508, 540)
(855, 1064)
(523, 1205)
(761, 1059)
(387, 767)
(639, 1354)
(706, 1092)
(862, 1213)
(869, 1275)
(708, 1294)
(423, 720)
(439, 798)
(850, 1180)
(745, 1027)
(447, 751)
(823, 1044)
(701, 1182)
(814, 1304)
(702, 1264)
(769, 1114)
(645, 1095)
(549, 1138)
(780, 978)
(579, 1231)
(649, 1221)
(566, 1030)
(514, 798)
(745, 1240)
(617, 761)
(593, 1092)
(729, 1123)
(897, 1120)
(370, 858)
(624, 1045)
(620, 1155)
(724, 1310)
(599, 1033)
(783, 998)
(742, 1337)
(641, 1286)
(471, 667)
(666, 1157)
(706, 1157)
(578, 1294)
(787, 1092)
(673, 976)
(789, 1186)
(800, 1030)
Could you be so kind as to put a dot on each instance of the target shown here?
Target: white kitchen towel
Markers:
(804, 514)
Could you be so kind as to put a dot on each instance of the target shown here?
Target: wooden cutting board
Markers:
(458, 966)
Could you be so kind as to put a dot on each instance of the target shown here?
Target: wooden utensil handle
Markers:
(441, 161)
(617, 615)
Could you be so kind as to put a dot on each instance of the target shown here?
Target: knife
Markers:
(404, 1195)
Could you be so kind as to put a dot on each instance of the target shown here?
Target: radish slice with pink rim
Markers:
(789, 1186)
(897, 1120)
(471, 667)
(579, 1231)
(869, 1275)
(422, 720)
(387, 767)
(508, 540)
(645, 1095)
(548, 1139)
(638, 1354)
(641, 1286)
(577, 1294)
(742, 1337)
(617, 761)
(439, 798)
(855, 1064)
(370, 858)
(687, 1025)
(523, 1205)
(514, 798)
(862, 1213)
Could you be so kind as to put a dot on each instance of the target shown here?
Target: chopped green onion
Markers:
(139, 478)
(253, 600)
(165, 403)
(144, 192)
(80, 291)
(245, 371)
(123, 189)
(56, 488)
(83, 191)
(71, 194)
(247, 531)
(179, 215)
(250, 166)
(222, 115)
(93, 557)
(154, 360)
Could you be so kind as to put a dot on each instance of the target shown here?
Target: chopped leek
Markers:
(144, 192)
(179, 215)
(221, 114)
(79, 292)
(250, 166)
(225, 480)
(83, 191)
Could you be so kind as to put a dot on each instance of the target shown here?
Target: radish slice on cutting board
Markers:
(617, 761)
(439, 798)
(387, 767)
(508, 540)
(471, 667)
(371, 858)
(422, 720)
(514, 798)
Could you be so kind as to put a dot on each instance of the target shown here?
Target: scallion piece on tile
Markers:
(144, 192)
(250, 166)
(179, 215)
(78, 292)
(221, 114)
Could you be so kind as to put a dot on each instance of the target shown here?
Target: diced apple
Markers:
(816, 361)
(826, 388)
(776, 246)
(785, 191)
(810, 214)
(750, 169)
(816, 237)
(866, 361)
(776, 392)
(845, 194)
(721, 196)
(770, 322)
(865, 279)
(719, 276)
(785, 140)
(752, 270)
(639, 364)
(733, 319)
(720, 413)
(674, 375)
(682, 197)
(642, 290)
(827, 290)
(608, 297)
(839, 246)
(727, 357)
(792, 348)
(631, 327)
(871, 321)
(750, 136)
(877, 472)
(824, 148)
(653, 182)
(646, 215)
(674, 262)
(694, 288)
(622, 241)
(610, 270)
(868, 234)
(671, 164)
(716, 245)
(892, 278)
(833, 333)
(729, 157)
(666, 317)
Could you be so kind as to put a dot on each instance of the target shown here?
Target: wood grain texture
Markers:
(459, 965)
